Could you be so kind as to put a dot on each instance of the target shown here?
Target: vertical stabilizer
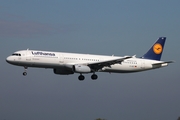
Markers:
(156, 50)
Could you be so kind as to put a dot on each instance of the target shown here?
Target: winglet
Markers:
(156, 50)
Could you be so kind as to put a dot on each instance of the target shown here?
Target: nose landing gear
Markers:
(25, 69)
(24, 73)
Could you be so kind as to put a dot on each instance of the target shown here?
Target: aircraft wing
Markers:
(98, 65)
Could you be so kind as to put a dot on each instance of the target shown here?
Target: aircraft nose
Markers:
(8, 59)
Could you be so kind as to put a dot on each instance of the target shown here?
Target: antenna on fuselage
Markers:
(134, 56)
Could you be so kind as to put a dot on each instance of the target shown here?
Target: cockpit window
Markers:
(16, 54)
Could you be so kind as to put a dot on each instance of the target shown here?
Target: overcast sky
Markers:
(119, 27)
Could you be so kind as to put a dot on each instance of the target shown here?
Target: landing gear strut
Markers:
(25, 69)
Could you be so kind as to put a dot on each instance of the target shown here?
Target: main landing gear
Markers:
(93, 77)
(25, 69)
(81, 77)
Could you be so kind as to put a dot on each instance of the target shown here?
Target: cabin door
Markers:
(61, 58)
(142, 64)
(28, 55)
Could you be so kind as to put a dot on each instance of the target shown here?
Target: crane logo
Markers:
(157, 48)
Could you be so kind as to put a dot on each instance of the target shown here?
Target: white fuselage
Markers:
(47, 59)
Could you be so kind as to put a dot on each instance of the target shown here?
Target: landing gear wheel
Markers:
(25, 69)
(94, 77)
(24, 73)
(81, 77)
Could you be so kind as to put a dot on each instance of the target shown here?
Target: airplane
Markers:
(64, 63)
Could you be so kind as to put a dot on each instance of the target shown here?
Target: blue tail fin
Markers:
(156, 50)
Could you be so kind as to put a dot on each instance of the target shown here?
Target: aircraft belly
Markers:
(118, 68)
(41, 65)
(38, 63)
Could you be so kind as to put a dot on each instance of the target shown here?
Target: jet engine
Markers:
(63, 71)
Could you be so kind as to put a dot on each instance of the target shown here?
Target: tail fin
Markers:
(156, 50)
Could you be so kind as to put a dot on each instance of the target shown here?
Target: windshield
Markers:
(16, 54)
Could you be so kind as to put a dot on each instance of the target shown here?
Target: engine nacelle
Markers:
(81, 69)
(63, 71)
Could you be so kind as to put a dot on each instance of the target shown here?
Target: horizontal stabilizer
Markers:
(163, 62)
